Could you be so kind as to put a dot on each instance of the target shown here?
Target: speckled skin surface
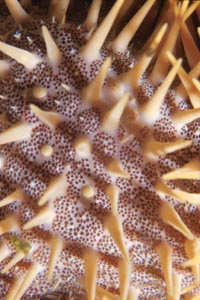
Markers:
(79, 222)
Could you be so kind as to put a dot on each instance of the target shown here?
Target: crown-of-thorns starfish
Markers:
(99, 150)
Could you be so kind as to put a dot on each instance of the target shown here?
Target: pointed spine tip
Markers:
(151, 110)
(191, 85)
(161, 67)
(133, 76)
(51, 119)
(18, 13)
(93, 14)
(169, 216)
(152, 149)
(44, 216)
(56, 187)
(53, 53)
(111, 119)
(58, 9)
(115, 167)
(189, 171)
(91, 94)
(91, 51)
(188, 12)
(113, 224)
(122, 41)
(191, 50)
(182, 118)
(18, 132)
(27, 59)
(16, 195)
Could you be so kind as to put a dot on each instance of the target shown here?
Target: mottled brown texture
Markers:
(79, 221)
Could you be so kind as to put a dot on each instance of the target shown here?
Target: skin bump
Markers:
(99, 149)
